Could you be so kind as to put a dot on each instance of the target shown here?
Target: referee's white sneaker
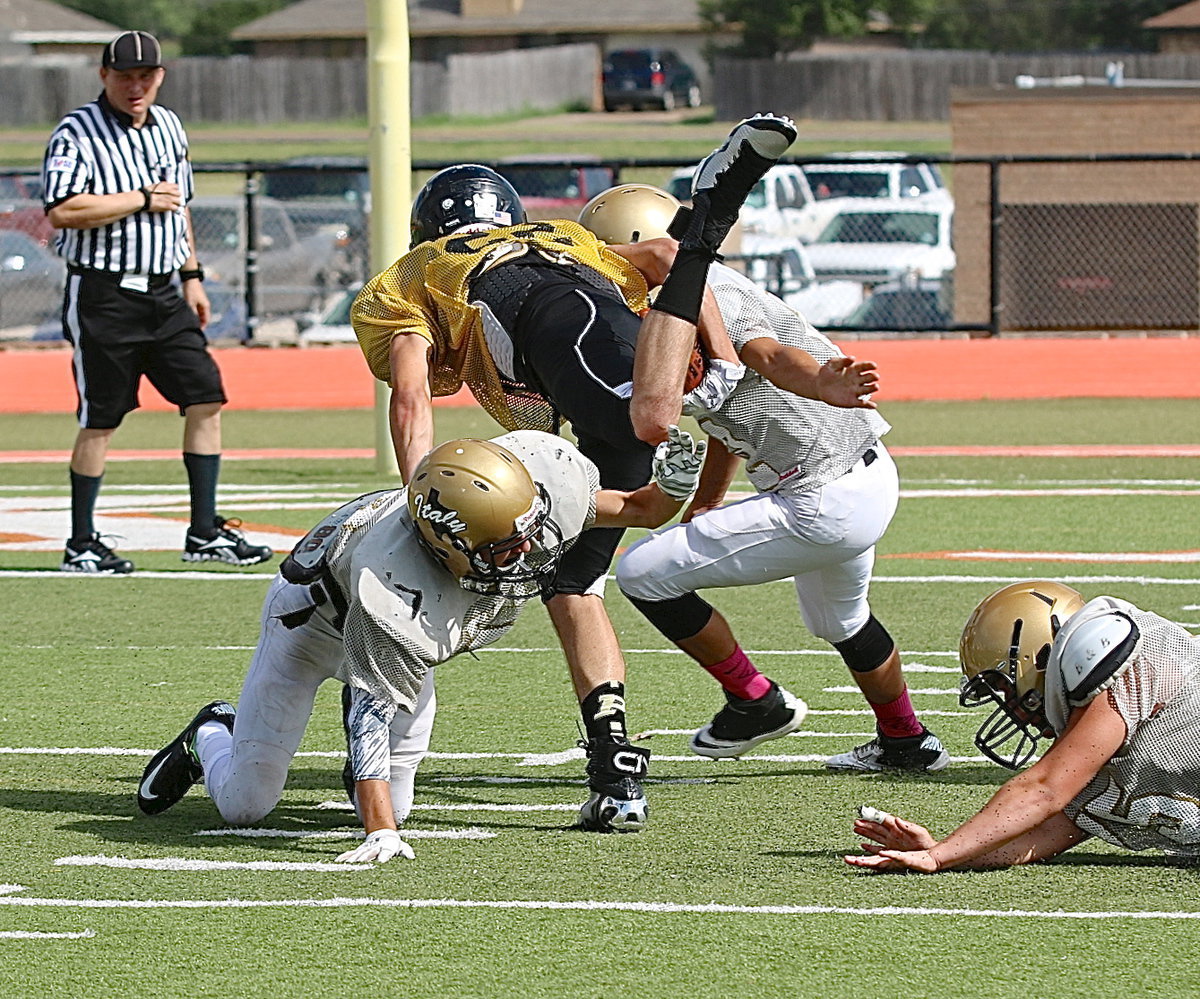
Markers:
(92, 555)
(227, 544)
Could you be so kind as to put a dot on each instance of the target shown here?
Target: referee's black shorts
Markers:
(576, 344)
(120, 334)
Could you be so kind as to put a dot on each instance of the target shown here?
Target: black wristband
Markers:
(145, 199)
(193, 275)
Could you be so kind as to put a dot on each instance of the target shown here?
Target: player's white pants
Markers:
(245, 773)
(824, 537)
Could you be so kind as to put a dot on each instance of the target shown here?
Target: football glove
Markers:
(677, 462)
(380, 846)
(719, 381)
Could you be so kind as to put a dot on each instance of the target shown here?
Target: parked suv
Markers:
(642, 78)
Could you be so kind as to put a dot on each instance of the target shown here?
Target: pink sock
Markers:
(738, 675)
(897, 718)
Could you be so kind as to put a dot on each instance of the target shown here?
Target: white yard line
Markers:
(191, 864)
(336, 834)
(590, 905)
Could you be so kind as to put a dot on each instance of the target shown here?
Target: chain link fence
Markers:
(1030, 245)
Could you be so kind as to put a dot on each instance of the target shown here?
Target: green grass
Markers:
(124, 663)
(443, 139)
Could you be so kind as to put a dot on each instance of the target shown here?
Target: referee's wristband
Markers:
(145, 199)
(192, 275)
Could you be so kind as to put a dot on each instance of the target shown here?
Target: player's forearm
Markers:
(1005, 828)
(659, 364)
(645, 507)
(374, 800)
(712, 331)
(90, 211)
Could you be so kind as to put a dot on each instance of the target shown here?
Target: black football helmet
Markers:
(468, 197)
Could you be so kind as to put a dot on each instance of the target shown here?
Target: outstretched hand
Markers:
(848, 383)
(677, 463)
(380, 846)
(897, 845)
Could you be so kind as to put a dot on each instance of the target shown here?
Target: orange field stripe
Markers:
(40, 380)
(919, 451)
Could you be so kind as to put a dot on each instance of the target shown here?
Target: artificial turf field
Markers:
(736, 888)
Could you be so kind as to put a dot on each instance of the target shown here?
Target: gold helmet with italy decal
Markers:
(475, 507)
(1003, 653)
(629, 213)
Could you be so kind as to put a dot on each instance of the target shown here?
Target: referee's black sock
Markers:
(202, 472)
(84, 490)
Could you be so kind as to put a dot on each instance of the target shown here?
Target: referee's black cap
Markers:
(132, 50)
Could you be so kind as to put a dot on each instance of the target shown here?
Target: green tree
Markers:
(1039, 25)
(776, 27)
(211, 26)
(162, 18)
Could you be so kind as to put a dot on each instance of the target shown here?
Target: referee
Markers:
(117, 181)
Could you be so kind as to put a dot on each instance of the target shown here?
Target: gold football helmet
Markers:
(1003, 653)
(474, 505)
(629, 213)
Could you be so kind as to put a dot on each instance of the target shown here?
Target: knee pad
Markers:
(868, 649)
(677, 619)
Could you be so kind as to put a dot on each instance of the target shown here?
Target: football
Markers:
(695, 368)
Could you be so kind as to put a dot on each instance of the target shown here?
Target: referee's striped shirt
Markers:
(96, 150)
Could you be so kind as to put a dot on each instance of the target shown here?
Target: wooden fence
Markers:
(906, 86)
(245, 89)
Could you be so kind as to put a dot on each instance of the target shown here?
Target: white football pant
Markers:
(245, 773)
(824, 537)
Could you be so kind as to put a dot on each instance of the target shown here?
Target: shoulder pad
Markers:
(306, 562)
(1092, 652)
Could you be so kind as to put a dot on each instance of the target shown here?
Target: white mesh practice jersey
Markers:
(788, 441)
(405, 612)
(1148, 795)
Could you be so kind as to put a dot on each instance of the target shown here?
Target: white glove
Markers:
(380, 846)
(719, 381)
(677, 462)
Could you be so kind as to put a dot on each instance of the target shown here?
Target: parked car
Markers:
(876, 240)
(331, 325)
(327, 192)
(781, 204)
(901, 305)
(875, 175)
(293, 273)
(31, 280)
(781, 266)
(21, 207)
(642, 78)
(556, 185)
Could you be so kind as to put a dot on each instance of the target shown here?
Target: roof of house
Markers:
(1185, 16)
(34, 21)
(338, 19)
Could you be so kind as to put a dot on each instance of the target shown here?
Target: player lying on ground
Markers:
(383, 590)
(1115, 687)
(800, 415)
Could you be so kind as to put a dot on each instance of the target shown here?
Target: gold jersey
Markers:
(427, 292)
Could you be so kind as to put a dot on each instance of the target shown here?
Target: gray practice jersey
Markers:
(1148, 795)
(788, 441)
(405, 612)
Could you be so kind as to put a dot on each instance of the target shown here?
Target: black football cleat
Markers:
(173, 770)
